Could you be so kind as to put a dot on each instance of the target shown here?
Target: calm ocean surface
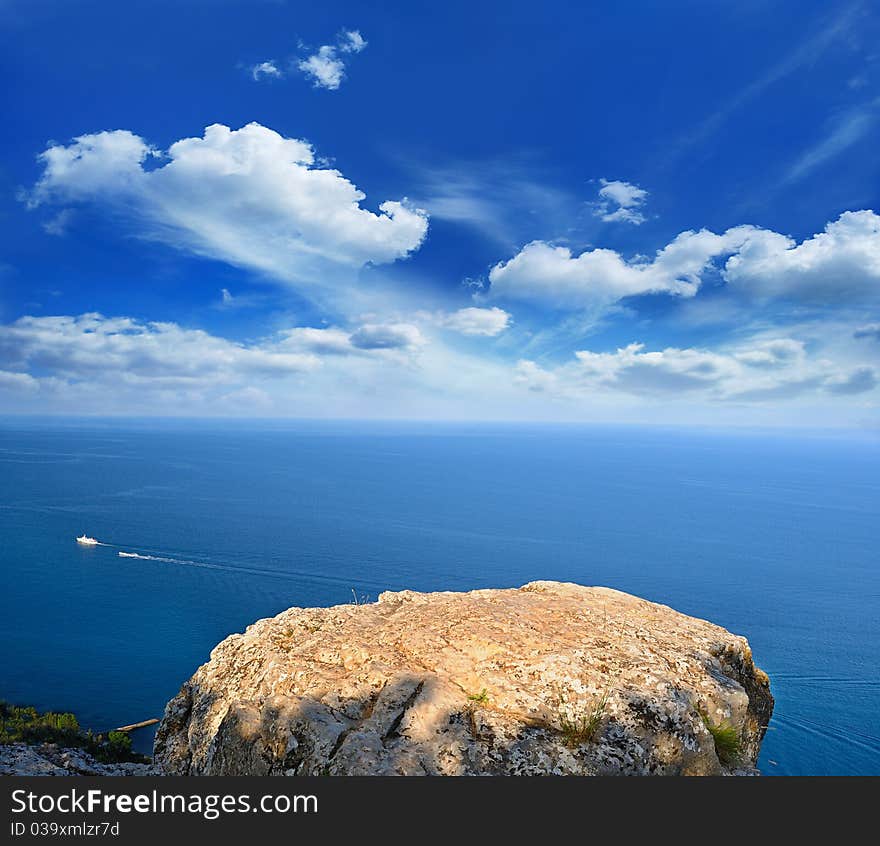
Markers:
(774, 536)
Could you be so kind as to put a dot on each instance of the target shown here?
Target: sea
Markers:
(772, 534)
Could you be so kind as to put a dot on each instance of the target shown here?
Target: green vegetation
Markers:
(480, 698)
(580, 728)
(727, 740)
(23, 724)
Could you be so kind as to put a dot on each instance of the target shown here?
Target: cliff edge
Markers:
(550, 678)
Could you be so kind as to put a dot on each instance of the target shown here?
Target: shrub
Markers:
(24, 724)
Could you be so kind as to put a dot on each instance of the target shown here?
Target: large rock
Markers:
(550, 678)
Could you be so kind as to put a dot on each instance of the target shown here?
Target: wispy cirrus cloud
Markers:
(837, 27)
(845, 131)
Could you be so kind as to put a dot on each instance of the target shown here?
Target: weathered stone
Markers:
(551, 678)
(48, 759)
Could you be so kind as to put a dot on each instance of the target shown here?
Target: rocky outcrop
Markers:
(550, 678)
(49, 759)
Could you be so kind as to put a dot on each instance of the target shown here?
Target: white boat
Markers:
(85, 540)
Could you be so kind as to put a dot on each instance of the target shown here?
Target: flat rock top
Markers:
(550, 677)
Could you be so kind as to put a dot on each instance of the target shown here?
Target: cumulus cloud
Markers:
(762, 370)
(250, 197)
(124, 349)
(326, 66)
(779, 352)
(551, 275)
(839, 265)
(487, 322)
(124, 364)
(620, 202)
(265, 70)
(100, 364)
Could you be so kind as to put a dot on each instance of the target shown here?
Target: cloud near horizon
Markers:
(761, 370)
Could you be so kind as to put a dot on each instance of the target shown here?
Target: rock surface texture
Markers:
(49, 759)
(550, 678)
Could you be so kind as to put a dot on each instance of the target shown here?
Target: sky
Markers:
(605, 212)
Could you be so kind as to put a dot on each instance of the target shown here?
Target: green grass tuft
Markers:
(728, 742)
(581, 728)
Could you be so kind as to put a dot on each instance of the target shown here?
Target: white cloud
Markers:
(368, 338)
(96, 364)
(756, 371)
(779, 352)
(351, 41)
(632, 369)
(325, 67)
(535, 378)
(265, 70)
(550, 275)
(619, 202)
(488, 322)
(330, 341)
(250, 197)
(91, 364)
(839, 265)
(128, 351)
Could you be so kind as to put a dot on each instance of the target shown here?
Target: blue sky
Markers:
(584, 211)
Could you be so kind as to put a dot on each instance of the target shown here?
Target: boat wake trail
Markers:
(152, 558)
(294, 575)
(208, 566)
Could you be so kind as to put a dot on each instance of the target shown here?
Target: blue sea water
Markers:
(774, 536)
